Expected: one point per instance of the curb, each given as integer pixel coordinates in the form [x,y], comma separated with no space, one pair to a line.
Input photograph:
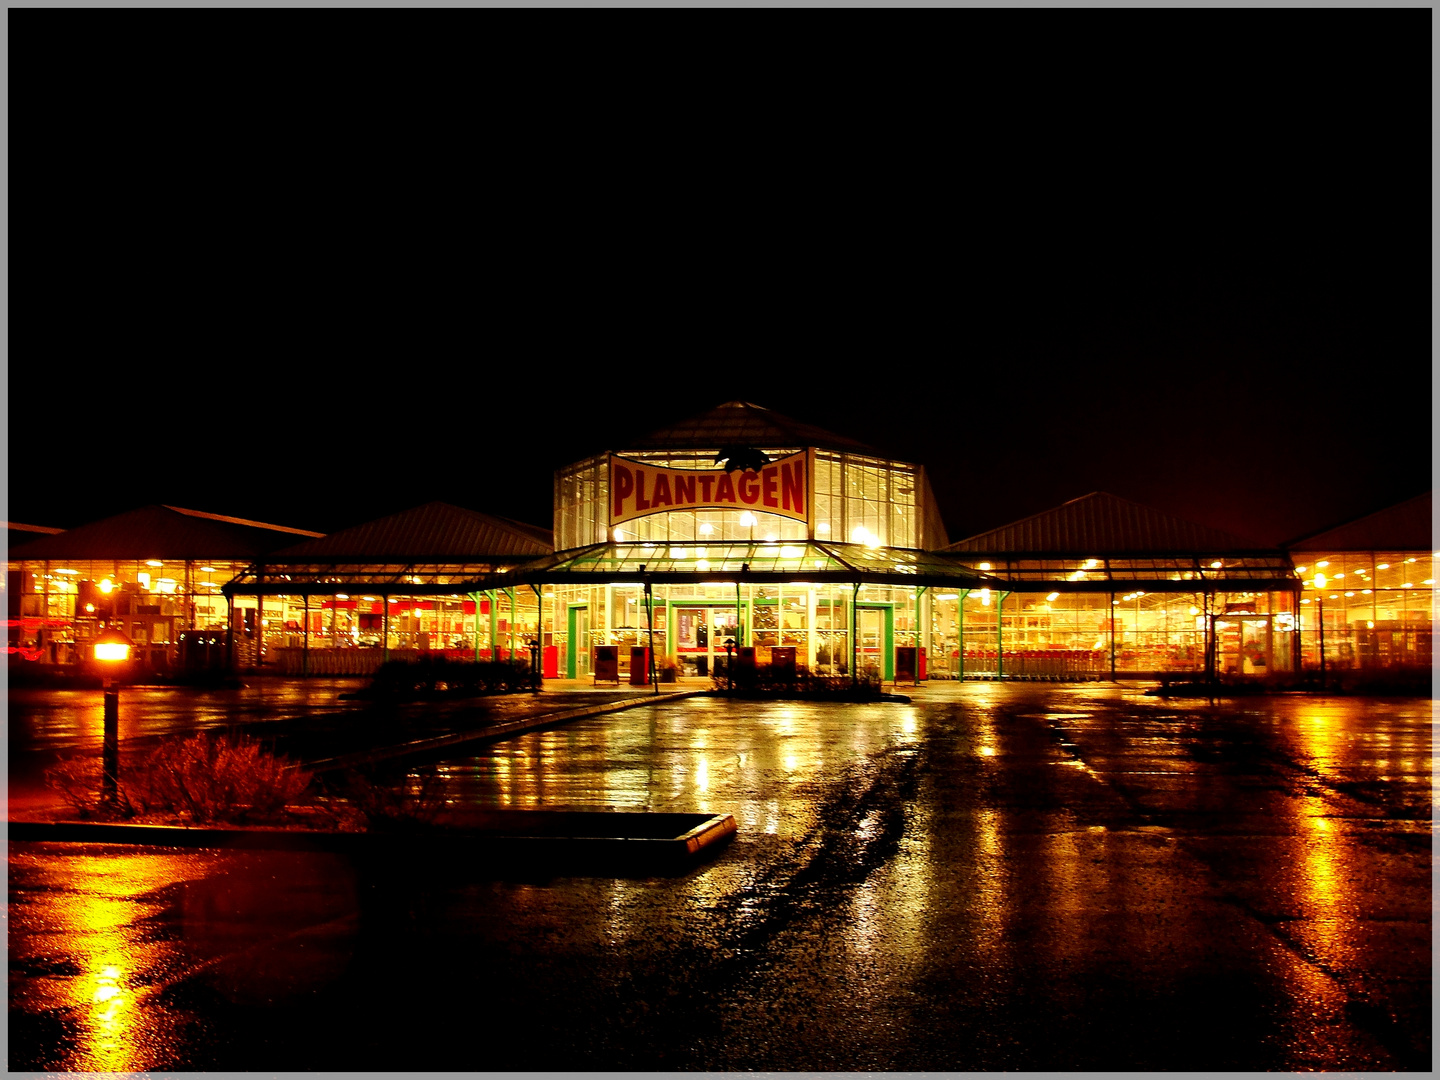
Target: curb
[597,841]
[493,733]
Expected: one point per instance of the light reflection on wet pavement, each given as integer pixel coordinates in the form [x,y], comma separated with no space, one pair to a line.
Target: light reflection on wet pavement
[995,877]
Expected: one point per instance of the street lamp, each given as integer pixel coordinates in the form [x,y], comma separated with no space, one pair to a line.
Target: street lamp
[112,648]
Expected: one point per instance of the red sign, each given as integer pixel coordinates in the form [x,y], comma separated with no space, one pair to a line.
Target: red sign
[781,487]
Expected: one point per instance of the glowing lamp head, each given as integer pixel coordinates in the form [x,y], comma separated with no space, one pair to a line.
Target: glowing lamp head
[106,585]
[112,646]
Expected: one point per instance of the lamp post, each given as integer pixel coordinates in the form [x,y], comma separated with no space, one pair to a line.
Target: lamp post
[112,648]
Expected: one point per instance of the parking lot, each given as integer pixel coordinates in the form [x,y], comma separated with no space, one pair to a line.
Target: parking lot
[1034,877]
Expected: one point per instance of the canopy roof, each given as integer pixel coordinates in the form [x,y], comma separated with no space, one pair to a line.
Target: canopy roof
[1406,526]
[739,423]
[161,532]
[743,561]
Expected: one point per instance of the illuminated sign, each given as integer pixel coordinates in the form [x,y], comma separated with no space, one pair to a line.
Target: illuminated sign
[781,487]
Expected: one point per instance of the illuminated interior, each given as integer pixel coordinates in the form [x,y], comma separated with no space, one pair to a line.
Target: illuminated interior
[867,584]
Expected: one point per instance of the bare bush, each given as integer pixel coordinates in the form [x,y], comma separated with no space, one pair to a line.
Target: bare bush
[406,802]
[216,779]
[78,780]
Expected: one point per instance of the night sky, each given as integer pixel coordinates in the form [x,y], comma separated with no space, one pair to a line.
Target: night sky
[1199,280]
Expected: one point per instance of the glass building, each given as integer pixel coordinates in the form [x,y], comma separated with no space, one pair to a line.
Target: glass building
[741,532]
[1368,599]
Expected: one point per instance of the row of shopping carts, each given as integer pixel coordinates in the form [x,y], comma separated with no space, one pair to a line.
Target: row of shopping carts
[1036,665]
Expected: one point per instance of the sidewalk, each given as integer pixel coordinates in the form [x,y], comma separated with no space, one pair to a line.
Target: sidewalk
[356,734]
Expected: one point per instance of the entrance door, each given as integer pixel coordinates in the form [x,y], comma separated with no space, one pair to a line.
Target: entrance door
[870,632]
[700,636]
[578,664]
[1244,644]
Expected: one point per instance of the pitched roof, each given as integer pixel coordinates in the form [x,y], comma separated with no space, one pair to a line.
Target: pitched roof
[1406,526]
[161,532]
[434,532]
[739,423]
[1104,524]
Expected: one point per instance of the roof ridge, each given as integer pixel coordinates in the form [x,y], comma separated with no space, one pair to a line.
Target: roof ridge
[238,521]
[1336,526]
[1203,532]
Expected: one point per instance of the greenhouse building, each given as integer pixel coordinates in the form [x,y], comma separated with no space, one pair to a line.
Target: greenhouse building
[745,537]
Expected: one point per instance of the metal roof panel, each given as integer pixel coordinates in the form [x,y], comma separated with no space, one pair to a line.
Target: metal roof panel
[1406,526]
[1101,524]
[160,532]
[434,532]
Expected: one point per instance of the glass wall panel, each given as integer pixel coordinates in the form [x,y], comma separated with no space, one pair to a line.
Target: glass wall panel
[1377,609]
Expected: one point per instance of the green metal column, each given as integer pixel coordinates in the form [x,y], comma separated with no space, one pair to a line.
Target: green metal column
[1000,635]
[1112,637]
[475,599]
[539,637]
[512,623]
[960,630]
[854,629]
[494,622]
[918,594]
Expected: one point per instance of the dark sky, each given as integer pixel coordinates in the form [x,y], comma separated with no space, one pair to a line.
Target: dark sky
[1199,279]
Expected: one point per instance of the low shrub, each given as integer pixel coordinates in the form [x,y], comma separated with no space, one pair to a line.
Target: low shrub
[768,680]
[77,779]
[438,676]
[392,804]
[204,779]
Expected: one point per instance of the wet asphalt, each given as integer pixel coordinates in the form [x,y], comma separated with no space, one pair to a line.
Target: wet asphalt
[992,877]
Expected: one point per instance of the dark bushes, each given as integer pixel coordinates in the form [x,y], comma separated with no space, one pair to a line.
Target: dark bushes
[437,676]
[767,680]
[204,779]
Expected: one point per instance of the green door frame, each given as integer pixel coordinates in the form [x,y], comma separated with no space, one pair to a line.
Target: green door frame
[672,603]
[570,643]
[887,650]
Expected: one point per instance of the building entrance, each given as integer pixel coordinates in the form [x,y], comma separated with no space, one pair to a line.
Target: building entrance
[700,636]
[577,638]
[1244,644]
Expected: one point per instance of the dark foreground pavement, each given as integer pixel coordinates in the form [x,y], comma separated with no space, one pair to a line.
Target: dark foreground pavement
[1019,877]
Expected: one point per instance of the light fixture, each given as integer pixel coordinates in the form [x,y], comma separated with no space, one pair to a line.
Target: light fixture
[747,519]
[153,562]
[984,566]
[1052,598]
[1319,581]
[1383,566]
[705,529]
[111,648]
[823,529]
[1216,565]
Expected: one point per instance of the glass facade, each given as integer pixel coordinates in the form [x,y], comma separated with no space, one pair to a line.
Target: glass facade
[57,608]
[858,499]
[1372,609]
[839,596]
